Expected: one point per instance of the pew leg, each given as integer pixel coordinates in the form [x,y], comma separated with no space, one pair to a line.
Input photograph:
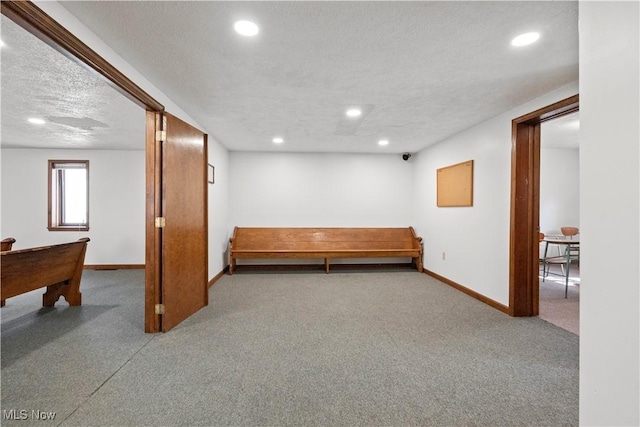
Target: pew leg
[418,263]
[72,295]
[232,266]
[326,265]
[52,295]
[74,298]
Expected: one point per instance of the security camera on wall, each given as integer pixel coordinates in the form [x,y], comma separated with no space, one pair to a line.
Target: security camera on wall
[406,156]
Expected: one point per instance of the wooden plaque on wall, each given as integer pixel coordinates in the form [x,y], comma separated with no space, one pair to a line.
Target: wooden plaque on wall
[455,185]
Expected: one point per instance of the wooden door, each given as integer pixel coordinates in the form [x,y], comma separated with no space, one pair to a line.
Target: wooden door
[176,244]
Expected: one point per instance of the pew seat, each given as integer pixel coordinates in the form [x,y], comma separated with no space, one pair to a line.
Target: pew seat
[324,243]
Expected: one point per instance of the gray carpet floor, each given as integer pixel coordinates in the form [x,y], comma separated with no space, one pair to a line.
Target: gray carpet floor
[394,348]
[554,307]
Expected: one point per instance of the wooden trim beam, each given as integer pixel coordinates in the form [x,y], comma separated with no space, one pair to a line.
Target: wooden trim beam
[153,201]
[495,304]
[550,112]
[218,276]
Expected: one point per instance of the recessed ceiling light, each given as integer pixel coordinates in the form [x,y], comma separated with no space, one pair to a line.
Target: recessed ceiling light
[1,43]
[525,39]
[278,140]
[354,112]
[383,142]
[36,121]
[246,28]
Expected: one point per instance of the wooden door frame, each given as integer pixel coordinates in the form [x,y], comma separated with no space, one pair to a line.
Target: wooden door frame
[37,22]
[525,205]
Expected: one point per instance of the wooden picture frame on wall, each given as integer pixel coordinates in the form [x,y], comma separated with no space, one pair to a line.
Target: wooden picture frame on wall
[211,173]
[455,185]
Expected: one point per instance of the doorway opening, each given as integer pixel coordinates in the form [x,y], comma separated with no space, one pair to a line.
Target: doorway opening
[158,302]
[559,280]
[525,206]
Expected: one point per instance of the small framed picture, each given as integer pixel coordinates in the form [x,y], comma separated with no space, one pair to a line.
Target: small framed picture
[211,174]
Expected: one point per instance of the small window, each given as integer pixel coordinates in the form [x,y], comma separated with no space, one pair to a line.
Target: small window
[68,195]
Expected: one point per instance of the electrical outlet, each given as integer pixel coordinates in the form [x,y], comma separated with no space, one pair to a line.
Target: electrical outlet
[443,256]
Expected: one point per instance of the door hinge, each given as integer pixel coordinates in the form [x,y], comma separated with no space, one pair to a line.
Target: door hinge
[161,135]
[160,222]
[159,308]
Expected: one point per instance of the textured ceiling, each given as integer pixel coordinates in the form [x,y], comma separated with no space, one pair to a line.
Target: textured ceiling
[80,110]
[421,71]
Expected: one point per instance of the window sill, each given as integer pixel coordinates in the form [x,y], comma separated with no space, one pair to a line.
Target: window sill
[68,228]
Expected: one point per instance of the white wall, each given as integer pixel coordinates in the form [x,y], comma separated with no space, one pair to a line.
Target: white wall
[559,189]
[610,213]
[116,202]
[219,227]
[320,190]
[475,239]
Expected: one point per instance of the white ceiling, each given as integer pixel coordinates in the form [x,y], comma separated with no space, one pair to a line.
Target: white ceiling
[81,110]
[421,71]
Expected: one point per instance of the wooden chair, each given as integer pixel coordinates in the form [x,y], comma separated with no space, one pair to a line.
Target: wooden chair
[571,253]
[574,250]
[7,244]
[569,231]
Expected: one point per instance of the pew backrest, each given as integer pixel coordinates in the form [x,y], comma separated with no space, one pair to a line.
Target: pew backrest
[7,244]
[57,267]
